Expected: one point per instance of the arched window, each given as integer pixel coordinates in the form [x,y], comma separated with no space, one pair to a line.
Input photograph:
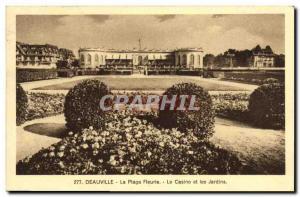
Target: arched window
[192,60]
[89,59]
[96,58]
[184,59]
[102,59]
[82,58]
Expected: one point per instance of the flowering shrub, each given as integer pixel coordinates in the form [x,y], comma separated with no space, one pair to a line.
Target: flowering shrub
[21,105]
[267,106]
[130,145]
[81,107]
[201,121]
[42,105]
[231,105]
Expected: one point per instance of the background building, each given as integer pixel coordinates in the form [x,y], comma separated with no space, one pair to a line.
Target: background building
[41,56]
[262,57]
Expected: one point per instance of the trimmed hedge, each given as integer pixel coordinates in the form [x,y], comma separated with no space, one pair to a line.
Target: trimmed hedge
[200,122]
[82,105]
[115,72]
[30,74]
[176,72]
[66,73]
[21,105]
[267,106]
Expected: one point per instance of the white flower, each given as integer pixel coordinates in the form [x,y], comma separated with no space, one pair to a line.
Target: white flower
[84,146]
[149,153]
[96,145]
[51,154]
[62,147]
[61,164]
[60,154]
[91,127]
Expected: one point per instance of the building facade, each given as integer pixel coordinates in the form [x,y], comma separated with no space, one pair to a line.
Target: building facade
[41,56]
[97,58]
[262,58]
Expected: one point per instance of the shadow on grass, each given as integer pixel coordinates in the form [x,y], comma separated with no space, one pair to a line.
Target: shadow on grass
[48,129]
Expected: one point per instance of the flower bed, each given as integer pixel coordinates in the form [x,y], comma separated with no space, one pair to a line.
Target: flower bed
[42,105]
[255,77]
[231,105]
[228,105]
[131,145]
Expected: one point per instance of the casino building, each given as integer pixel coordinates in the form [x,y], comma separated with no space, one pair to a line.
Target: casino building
[190,58]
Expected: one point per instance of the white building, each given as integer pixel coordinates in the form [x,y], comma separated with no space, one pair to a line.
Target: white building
[96,57]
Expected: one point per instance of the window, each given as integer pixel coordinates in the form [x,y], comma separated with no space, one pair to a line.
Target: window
[89,59]
[82,58]
[96,58]
[102,59]
[192,60]
[184,59]
[179,60]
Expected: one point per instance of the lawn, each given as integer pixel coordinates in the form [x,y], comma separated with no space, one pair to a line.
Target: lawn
[156,84]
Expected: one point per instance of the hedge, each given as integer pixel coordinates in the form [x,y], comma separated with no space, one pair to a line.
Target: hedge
[200,122]
[32,74]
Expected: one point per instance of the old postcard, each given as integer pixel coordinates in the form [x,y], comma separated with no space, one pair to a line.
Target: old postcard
[150,99]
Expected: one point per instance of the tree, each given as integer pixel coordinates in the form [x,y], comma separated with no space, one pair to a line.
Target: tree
[279,60]
[220,61]
[62,64]
[208,60]
[75,63]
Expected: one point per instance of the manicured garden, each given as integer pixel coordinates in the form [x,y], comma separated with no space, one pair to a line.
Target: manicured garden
[150,142]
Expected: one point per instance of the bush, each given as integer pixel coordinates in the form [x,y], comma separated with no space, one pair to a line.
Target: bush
[66,73]
[201,122]
[27,74]
[131,146]
[267,106]
[21,105]
[82,105]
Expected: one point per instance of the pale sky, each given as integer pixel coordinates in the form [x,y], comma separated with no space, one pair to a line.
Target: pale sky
[214,33]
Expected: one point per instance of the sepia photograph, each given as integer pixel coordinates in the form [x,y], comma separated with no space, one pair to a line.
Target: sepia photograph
[170,93]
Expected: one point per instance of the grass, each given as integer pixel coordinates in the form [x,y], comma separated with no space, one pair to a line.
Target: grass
[156,84]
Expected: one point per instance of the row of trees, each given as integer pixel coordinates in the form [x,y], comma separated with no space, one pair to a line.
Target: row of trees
[240,58]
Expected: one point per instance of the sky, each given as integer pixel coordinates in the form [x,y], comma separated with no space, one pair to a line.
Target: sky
[214,33]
